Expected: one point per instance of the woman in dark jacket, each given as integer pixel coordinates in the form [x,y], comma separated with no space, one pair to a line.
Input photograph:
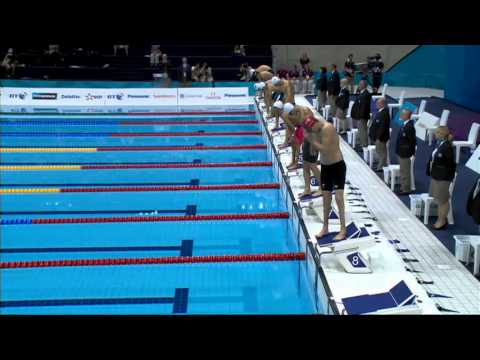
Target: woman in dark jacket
[441,168]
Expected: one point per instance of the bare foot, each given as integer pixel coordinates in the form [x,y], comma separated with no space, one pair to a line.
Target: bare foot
[342,235]
[305,193]
[322,233]
[318,193]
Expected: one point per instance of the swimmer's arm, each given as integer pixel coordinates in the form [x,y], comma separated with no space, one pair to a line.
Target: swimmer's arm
[318,145]
[288,122]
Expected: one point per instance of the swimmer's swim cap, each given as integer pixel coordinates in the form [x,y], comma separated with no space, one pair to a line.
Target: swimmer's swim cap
[259,86]
[288,108]
[278,105]
[276,80]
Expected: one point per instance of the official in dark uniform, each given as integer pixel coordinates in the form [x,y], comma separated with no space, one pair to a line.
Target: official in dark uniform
[473,203]
[343,101]
[322,88]
[380,133]
[333,88]
[405,149]
[361,112]
[377,73]
[441,168]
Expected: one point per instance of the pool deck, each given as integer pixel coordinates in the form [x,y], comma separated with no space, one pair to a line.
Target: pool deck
[435,275]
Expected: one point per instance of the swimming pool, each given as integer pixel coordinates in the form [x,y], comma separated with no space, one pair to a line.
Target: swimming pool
[149,215]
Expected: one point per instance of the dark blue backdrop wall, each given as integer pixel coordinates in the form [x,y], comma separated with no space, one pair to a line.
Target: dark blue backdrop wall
[454,68]
[462,81]
[425,66]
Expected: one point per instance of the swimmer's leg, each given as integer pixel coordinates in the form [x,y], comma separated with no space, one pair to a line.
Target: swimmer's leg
[342,235]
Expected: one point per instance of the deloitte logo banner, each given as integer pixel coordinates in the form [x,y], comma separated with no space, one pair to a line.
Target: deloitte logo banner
[145,97]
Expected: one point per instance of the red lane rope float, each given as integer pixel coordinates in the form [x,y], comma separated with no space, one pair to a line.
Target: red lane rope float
[181,148]
[190,122]
[175,166]
[172,134]
[131,219]
[156,261]
[172,188]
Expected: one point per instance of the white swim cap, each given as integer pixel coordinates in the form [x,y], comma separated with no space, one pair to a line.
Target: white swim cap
[275,80]
[259,86]
[288,107]
[278,105]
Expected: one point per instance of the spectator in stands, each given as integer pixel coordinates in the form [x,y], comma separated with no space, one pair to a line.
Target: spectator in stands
[155,55]
[405,148]
[165,66]
[196,72]
[53,56]
[247,73]
[441,168]
[342,102]
[350,72]
[380,130]
[9,63]
[243,51]
[120,49]
[377,73]
[304,60]
[361,112]
[294,75]
[239,50]
[322,87]
[308,81]
[283,73]
[209,74]
[333,88]
[185,72]
[203,72]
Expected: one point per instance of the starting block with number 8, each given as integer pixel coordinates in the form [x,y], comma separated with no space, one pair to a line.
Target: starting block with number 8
[348,252]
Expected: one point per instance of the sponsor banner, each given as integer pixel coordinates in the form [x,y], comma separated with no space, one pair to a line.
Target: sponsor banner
[145,97]
[213,96]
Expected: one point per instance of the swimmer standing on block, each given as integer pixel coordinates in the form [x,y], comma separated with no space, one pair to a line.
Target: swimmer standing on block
[324,138]
[303,119]
[294,115]
[284,90]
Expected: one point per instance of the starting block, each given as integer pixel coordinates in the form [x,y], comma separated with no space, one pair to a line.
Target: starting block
[397,301]
[347,252]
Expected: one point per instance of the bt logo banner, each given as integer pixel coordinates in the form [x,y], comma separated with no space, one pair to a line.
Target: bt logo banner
[119,97]
[21,96]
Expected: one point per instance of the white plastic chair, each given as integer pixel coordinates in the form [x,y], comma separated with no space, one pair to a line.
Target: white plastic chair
[443,122]
[326,112]
[421,109]
[384,92]
[428,200]
[394,174]
[348,118]
[444,117]
[471,142]
[397,105]
[349,114]
[352,136]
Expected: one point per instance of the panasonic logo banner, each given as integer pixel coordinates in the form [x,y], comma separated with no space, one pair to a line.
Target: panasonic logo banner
[235,95]
[44,96]
[138,96]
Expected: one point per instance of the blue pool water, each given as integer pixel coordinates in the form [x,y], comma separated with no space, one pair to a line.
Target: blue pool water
[204,288]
